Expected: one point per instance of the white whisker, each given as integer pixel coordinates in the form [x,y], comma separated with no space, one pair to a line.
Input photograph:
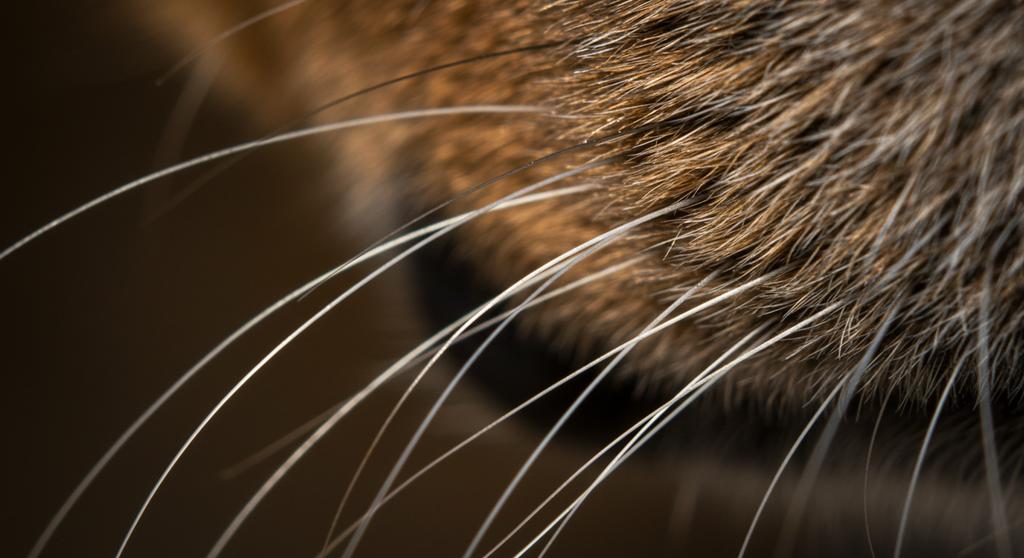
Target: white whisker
[997,498]
[697,387]
[568,413]
[929,433]
[636,426]
[115,448]
[785,462]
[313,423]
[505,319]
[867,471]
[583,250]
[248,146]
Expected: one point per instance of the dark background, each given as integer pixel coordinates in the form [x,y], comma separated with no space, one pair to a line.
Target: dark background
[102,314]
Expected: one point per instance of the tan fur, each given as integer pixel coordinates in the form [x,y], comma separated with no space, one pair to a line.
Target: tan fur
[866,154]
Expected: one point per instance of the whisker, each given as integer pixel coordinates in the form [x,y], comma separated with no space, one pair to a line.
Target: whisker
[226,34]
[696,388]
[248,146]
[640,437]
[456,378]
[817,459]
[785,461]
[919,462]
[310,425]
[315,318]
[242,466]
[653,415]
[568,413]
[504,320]
[583,250]
[76,494]
[997,498]
[867,471]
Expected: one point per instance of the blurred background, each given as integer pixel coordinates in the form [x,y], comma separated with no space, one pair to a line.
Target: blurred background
[104,313]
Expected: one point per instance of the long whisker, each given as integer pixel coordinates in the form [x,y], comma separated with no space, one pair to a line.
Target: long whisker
[327,425]
[118,444]
[568,413]
[312,424]
[701,380]
[647,420]
[315,318]
[611,353]
[408,392]
[867,471]
[817,459]
[337,101]
[695,389]
[584,250]
[995,486]
[226,34]
[248,146]
[785,462]
[915,476]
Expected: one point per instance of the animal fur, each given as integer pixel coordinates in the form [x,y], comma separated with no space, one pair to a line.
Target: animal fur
[865,154]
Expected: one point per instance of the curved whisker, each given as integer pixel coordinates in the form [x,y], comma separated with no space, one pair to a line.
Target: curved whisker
[577,254]
[997,498]
[782,466]
[312,424]
[315,318]
[642,423]
[686,295]
[919,462]
[693,390]
[512,200]
[817,459]
[249,146]
[227,34]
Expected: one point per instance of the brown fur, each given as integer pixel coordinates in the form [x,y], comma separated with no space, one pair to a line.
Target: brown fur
[867,154]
